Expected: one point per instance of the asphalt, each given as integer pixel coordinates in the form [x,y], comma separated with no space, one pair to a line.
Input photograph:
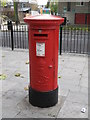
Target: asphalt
[72,82]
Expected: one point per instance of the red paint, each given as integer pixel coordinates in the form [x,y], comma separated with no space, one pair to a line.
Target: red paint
[79,18]
[44,69]
[88,19]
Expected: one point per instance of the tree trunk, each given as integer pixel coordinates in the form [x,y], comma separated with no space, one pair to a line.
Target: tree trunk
[16,12]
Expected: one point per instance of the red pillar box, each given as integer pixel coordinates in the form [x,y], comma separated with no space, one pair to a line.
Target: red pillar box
[43,55]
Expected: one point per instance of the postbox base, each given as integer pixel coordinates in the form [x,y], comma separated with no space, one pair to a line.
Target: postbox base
[43,99]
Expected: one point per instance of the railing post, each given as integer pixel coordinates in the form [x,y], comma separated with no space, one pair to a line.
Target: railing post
[12,43]
[60,40]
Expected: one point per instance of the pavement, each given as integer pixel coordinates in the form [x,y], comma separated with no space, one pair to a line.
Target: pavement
[72,82]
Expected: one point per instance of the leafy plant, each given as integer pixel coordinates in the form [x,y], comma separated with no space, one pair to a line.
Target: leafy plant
[54,7]
[3,3]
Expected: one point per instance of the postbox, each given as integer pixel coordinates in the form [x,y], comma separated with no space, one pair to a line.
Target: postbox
[43,56]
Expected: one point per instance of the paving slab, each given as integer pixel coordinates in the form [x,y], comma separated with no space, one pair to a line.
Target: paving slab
[78,97]
[84,81]
[0,105]
[14,83]
[84,90]
[75,101]
[73,110]
[10,99]
[72,83]
[0,84]
[30,111]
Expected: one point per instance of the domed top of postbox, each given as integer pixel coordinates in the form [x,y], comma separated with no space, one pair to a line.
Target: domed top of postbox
[44,19]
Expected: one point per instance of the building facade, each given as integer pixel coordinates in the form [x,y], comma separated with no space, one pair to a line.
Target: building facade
[75,12]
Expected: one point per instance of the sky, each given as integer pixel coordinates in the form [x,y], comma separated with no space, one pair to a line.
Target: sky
[40,2]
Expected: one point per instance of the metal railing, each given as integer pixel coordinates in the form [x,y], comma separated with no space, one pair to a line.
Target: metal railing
[15,37]
[72,39]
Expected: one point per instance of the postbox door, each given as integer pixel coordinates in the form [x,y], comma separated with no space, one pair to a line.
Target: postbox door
[42,52]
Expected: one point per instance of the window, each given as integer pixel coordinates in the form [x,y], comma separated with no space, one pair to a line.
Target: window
[68,6]
[79,3]
[23,5]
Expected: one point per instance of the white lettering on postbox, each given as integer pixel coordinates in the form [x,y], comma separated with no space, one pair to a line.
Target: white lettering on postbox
[40,49]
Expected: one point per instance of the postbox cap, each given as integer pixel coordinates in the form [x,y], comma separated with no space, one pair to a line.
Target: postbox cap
[46,18]
[43,17]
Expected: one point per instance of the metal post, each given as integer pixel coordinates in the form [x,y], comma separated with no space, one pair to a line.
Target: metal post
[12,45]
[60,40]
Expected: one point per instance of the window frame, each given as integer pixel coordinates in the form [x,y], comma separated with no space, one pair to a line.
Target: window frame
[79,4]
